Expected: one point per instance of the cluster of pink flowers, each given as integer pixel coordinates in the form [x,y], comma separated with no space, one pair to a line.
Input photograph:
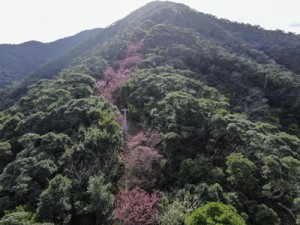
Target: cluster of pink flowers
[115,76]
[136,206]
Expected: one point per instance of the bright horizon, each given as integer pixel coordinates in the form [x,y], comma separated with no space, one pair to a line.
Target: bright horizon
[49,20]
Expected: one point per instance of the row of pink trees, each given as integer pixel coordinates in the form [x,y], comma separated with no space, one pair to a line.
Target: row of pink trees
[138,202]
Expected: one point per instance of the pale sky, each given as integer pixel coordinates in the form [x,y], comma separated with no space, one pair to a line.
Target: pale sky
[48,20]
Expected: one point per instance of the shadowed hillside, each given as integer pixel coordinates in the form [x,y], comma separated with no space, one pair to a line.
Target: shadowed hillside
[17,61]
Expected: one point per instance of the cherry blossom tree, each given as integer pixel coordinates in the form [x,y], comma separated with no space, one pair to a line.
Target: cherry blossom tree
[117,74]
[141,158]
[139,164]
[136,206]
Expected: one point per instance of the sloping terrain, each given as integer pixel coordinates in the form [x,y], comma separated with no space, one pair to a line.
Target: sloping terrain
[213,127]
[18,61]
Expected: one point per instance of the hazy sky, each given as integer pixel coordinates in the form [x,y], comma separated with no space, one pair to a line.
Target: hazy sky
[48,20]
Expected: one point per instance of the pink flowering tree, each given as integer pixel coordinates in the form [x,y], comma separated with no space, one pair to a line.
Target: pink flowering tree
[141,157]
[136,206]
[117,74]
[149,139]
[139,163]
[135,141]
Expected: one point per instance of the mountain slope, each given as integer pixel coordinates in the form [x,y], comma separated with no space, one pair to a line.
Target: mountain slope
[213,117]
[17,61]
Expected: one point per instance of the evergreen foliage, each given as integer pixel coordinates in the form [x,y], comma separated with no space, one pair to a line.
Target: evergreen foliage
[215,213]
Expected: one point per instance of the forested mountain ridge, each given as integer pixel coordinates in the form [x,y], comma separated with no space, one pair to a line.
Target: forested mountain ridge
[18,61]
[213,131]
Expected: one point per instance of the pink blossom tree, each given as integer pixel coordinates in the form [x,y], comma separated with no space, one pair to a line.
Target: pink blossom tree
[139,163]
[136,206]
[149,139]
[141,157]
[136,140]
[117,74]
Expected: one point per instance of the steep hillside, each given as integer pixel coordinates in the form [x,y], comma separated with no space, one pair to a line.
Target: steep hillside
[213,127]
[18,61]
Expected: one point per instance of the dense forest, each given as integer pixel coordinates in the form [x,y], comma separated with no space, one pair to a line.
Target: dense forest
[212,133]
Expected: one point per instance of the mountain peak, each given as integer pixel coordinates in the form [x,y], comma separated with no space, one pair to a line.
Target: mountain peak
[155,10]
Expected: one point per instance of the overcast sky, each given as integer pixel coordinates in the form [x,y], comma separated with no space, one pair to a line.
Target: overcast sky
[48,20]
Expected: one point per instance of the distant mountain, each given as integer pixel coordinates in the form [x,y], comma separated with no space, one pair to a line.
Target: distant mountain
[18,61]
[213,126]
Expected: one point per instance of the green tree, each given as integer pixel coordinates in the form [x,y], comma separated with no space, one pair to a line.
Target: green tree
[55,201]
[195,171]
[5,154]
[241,171]
[20,216]
[215,213]
[265,215]
[101,201]
[172,213]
